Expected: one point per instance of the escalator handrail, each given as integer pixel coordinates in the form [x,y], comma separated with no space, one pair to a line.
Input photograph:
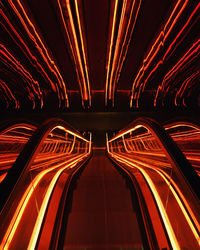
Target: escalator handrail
[26,157]
[7,125]
[186,120]
[178,160]
[153,241]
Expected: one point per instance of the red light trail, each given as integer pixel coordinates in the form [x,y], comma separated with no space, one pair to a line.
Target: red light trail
[118,48]
[79,53]
[163,49]
[61,150]
[136,148]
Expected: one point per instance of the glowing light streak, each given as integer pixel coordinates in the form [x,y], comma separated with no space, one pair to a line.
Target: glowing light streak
[45,160]
[124,34]
[159,203]
[9,94]
[126,132]
[85,95]
[184,85]
[40,217]
[122,57]
[23,203]
[110,49]
[76,53]
[83,50]
[172,20]
[72,133]
[116,51]
[182,202]
[45,56]
[129,157]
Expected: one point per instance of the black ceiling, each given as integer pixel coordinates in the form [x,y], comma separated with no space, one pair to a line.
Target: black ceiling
[157,50]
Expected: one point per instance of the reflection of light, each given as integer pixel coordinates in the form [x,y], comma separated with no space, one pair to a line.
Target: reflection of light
[12,141]
[54,158]
[126,132]
[24,201]
[34,36]
[182,20]
[159,203]
[123,23]
[70,30]
[182,202]
[187,138]
[110,47]
[68,131]
[135,151]
[38,223]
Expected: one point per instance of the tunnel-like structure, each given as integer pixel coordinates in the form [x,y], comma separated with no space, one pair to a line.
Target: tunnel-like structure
[99,124]
[60,192]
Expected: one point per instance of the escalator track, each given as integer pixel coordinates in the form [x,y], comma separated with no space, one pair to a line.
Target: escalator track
[104,212]
[102,208]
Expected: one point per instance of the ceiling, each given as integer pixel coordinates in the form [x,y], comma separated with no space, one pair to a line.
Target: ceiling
[99,55]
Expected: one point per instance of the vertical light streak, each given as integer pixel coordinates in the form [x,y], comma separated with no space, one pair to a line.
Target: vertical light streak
[116,50]
[110,50]
[45,56]
[168,27]
[121,59]
[83,78]
[83,50]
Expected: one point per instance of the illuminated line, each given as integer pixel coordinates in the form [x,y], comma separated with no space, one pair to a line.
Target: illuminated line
[83,49]
[40,217]
[22,205]
[127,131]
[110,49]
[85,96]
[62,83]
[117,47]
[70,132]
[119,67]
[160,205]
[187,213]
[163,34]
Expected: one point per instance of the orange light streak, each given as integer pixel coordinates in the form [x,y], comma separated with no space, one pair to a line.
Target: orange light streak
[159,203]
[40,217]
[119,67]
[45,56]
[151,55]
[23,203]
[110,50]
[85,92]
[178,195]
[83,50]
[116,51]
[16,218]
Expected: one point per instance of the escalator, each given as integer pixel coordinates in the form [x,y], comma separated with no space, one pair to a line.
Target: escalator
[104,214]
[124,197]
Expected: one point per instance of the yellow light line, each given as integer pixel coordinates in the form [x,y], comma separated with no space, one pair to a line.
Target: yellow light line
[117,46]
[85,96]
[83,49]
[38,223]
[110,49]
[174,191]
[21,207]
[160,205]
